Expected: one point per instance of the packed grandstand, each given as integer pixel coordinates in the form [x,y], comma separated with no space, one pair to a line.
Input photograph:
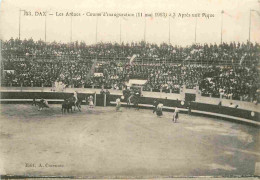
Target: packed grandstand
[225,69]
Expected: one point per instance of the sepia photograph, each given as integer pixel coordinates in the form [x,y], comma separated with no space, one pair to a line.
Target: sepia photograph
[129,89]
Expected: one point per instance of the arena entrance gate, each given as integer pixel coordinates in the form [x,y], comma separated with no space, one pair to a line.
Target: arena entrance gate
[190,97]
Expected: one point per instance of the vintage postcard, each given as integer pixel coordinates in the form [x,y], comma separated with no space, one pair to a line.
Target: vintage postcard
[130,89]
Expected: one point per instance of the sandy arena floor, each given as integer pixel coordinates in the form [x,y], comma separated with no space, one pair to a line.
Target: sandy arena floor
[101,142]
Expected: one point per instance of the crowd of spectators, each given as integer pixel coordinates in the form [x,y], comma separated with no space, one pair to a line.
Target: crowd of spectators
[233,53]
[37,64]
[238,82]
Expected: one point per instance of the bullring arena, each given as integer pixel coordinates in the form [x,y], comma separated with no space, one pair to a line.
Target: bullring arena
[152,99]
[103,142]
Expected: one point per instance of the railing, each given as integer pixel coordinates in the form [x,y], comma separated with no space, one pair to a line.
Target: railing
[118,59]
[145,89]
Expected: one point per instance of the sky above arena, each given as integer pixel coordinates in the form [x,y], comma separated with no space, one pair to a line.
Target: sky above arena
[92,29]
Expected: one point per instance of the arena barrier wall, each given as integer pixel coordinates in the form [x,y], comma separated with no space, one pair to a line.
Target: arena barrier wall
[145,102]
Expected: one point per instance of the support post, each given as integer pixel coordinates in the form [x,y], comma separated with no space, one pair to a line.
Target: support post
[95,99]
[105,100]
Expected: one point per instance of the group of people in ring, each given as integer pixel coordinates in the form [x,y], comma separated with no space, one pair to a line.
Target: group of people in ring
[41,104]
[158,109]
[157,106]
[90,99]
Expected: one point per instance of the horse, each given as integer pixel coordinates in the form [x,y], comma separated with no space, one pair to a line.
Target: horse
[159,110]
[133,99]
[75,102]
[69,103]
[66,105]
[41,104]
[128,101]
